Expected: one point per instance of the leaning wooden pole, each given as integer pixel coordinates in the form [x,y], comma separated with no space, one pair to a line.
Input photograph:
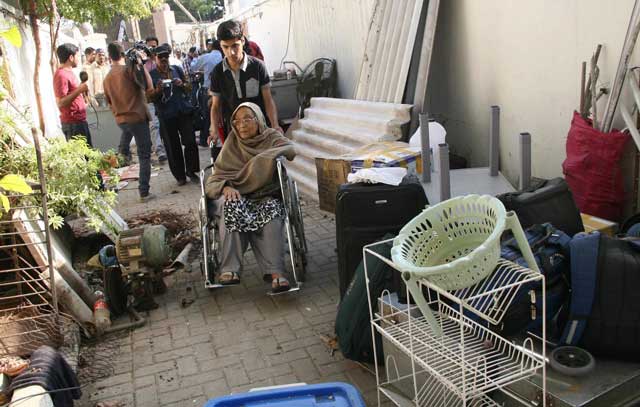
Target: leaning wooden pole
[35,31]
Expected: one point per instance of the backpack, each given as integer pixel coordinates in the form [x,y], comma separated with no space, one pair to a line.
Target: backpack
[550,248]
[604,315]
[353,326]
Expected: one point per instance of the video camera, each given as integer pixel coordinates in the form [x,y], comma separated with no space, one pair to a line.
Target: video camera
[136,57]
[138,54]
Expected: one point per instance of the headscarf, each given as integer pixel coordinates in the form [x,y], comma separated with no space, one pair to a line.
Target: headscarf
[248,165]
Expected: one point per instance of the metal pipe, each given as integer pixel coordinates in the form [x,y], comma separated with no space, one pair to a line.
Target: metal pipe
[525,160]
[45,217]
[445,181]
[582,81]
[139,321]
[627,49]
[426,147]
[494,141]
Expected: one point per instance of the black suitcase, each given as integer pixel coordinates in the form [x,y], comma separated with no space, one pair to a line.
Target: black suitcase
[546,201]
[367,212]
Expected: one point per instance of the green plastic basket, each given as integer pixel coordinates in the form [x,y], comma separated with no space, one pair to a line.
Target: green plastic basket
[454,244]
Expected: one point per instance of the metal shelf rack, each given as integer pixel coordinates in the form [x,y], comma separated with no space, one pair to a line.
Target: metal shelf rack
[29,315]
[469,361]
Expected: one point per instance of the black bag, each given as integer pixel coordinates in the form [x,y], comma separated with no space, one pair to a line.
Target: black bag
[365,213]
[547,201]
[604,316]
[550,248]
[353,326]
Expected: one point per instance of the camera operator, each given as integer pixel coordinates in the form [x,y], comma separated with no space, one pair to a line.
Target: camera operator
[124,88]
[175,112]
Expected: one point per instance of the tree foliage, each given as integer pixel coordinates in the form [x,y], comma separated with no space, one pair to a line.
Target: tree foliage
[103,11]
[207,10]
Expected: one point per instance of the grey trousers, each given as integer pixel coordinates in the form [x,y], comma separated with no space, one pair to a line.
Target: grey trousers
[267,245]
[154,127]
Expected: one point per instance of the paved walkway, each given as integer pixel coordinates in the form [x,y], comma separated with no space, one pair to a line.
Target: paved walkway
[231,339]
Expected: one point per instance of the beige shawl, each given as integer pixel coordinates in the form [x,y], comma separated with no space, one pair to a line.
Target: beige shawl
[249,165]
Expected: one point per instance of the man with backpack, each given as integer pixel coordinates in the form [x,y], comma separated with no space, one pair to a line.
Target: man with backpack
[175,112]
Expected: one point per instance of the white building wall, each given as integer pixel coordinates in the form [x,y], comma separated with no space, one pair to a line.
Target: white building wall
[319,28]
[21,62]
[524,56]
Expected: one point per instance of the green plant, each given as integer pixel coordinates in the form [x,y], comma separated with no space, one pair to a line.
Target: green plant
[12,183]
[73,182]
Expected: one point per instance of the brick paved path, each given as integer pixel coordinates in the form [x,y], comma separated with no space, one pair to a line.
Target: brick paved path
[231,339]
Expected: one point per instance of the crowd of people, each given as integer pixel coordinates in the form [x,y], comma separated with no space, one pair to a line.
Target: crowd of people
[162,97]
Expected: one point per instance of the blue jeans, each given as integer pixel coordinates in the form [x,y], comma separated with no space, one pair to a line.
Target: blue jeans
[139,131]
[77,129]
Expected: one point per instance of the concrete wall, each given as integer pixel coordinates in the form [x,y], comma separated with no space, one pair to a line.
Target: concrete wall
[163,21]
[319,28]
[524,56]
[21,63]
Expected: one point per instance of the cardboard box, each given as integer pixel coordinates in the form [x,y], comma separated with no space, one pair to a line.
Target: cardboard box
[387,154]
[593,223]
[331,174]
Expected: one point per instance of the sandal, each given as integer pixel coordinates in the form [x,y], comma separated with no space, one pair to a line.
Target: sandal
[279,284]
[229,278]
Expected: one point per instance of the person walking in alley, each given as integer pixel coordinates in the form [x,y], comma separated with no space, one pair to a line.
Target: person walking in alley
[253,49]
[239,78]
[69,94]
[205,65]
[98,71]
[89,59]
[157,145]
[127,101]
[175,113]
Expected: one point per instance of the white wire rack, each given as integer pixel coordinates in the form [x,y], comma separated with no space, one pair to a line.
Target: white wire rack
[430,393]
[468,358]
[468,361]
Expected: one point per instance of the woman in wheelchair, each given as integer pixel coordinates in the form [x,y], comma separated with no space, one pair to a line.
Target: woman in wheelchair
[248,203]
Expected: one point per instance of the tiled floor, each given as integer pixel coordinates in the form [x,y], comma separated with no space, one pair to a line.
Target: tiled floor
[231,339]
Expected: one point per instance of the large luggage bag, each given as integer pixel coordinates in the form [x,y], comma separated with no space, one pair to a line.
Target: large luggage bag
[604,316]
[353,326]
[367,212]
[546,201]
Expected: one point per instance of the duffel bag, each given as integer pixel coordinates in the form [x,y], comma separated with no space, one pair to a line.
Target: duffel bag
[353,327]
[550,248]
[546,201]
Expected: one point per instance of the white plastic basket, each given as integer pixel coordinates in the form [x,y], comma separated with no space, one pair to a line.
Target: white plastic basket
[454,245]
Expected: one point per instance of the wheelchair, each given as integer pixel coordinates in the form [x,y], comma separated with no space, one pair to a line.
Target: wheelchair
[293,224]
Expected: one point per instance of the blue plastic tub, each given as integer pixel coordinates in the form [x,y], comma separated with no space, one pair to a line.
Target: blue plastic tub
[313,395]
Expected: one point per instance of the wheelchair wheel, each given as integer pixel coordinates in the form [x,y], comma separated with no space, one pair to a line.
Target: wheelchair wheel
[299,220]
[210,247]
